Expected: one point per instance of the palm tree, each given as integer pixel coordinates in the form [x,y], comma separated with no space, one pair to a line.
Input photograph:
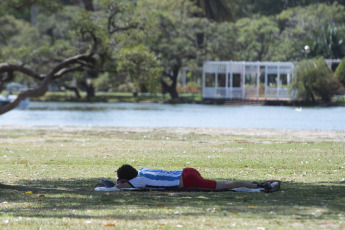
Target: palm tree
[328,42]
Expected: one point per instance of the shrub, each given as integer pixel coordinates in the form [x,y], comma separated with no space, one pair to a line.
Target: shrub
[315,79]
[340,72]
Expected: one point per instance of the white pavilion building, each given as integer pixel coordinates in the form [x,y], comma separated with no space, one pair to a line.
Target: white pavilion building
[250,80]
[247,80]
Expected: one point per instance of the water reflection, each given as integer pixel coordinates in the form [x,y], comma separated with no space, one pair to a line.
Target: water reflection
[162,115]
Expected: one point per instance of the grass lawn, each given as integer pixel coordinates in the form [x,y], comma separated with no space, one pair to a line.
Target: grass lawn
[47,176]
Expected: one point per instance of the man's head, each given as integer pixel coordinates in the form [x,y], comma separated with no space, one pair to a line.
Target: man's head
[126,172]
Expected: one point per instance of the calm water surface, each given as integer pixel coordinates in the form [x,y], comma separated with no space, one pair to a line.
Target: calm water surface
[161,115]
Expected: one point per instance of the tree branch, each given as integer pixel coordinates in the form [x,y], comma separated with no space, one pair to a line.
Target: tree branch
[58,71]
[8,68]
[113,28]
[67,70]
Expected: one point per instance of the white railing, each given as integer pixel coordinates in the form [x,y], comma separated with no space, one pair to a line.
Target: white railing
[222,92]
[251,92]
[237,93]
[277,93]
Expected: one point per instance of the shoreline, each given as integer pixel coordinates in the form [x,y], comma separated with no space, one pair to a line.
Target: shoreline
[189,98]
[224,102]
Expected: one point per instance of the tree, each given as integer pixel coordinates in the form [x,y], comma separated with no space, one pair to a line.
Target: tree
[303,26]
[274,7]
[172,36]
[21,45]
[219,11]
[40,52]
[142,67]
[328,42]
[315,79]
[88,43]
[255,38]
[223,41]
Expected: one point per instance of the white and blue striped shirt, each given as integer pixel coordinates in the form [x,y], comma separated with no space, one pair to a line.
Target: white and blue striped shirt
[156,178]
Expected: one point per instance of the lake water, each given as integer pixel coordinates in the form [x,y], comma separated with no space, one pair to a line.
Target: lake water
[184,115]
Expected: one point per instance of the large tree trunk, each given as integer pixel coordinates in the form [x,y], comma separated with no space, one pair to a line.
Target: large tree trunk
[88,88]
[74,89]
[90,91]
[171,89]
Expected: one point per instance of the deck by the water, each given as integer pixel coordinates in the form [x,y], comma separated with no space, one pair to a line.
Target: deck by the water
[247,101]
[267,101]
[262,101]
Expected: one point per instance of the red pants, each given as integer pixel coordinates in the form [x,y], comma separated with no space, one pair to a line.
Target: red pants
[192,179]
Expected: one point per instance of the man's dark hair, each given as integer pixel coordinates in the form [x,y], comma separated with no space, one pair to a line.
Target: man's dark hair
[126,172]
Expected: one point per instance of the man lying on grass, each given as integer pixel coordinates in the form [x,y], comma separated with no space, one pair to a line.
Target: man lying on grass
[129,177]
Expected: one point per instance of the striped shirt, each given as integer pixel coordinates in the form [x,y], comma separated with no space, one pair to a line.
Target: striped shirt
[156,178]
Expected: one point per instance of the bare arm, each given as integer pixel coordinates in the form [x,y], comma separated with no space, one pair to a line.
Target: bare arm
[123,185]
[234,184]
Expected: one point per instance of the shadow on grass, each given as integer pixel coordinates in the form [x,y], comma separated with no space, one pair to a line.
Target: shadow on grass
[76,198]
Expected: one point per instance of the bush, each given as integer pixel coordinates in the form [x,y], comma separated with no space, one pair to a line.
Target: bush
[315,80]
[340,72]
[105,82]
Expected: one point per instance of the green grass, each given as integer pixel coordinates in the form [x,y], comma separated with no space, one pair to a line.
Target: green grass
[60,166]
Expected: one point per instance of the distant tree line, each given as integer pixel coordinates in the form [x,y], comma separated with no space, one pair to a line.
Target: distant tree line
[141,45]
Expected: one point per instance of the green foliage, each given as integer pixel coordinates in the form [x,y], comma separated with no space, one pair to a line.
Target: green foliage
[328,42]
[177,40]
[274,7]
[21,8]
[301,26]
[106,82]
[152,40]
[256,37]
[19,39]
[63,34]
[21,44]
[142,67]
[315,79]
[37,46]
[340,72]
[311,17]
[222,41]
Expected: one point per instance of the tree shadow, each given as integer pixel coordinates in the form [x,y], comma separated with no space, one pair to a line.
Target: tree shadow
[60,198]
